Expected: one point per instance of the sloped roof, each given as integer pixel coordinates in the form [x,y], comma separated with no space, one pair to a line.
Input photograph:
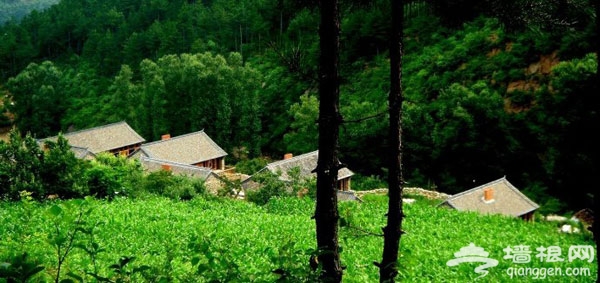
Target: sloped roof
[188,149]
[507,200]
[82,152]
[103,138]
[153,165]
[306,162]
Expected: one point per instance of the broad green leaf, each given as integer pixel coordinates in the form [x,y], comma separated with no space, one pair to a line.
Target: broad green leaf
[55,210]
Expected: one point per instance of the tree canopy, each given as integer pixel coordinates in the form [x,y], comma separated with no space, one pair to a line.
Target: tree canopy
[494,90]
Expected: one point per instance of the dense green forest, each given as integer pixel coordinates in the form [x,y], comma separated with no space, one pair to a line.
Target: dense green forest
[491,89]
[14,10]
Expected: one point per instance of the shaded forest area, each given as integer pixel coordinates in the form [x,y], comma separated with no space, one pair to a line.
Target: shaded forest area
[491,89]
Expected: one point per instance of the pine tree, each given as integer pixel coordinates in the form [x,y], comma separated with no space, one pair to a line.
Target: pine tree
[326,214]
[388,268]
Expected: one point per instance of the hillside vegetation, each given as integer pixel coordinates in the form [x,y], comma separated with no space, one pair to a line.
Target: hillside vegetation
[496,89]
[161,240]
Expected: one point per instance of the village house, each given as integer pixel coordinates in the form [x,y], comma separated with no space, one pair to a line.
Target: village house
[305,163]
[211,180]
[496,197]
[117,138]
[196,149]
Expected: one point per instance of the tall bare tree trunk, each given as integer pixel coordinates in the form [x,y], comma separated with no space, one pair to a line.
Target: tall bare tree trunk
[388,268]
[326,214]
[594,226]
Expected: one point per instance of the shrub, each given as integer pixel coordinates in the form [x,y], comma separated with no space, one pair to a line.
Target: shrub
[19,268]
[270,186]
[21,161]
[185,188]
[164,183]
[109,176]
[62,172]
[102,181]
[251,166]
[364,183]
[158,182]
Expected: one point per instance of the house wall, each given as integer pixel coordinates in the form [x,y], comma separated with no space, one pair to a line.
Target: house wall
[343,184]
[126,150]
[214,164]
[528,216]
[175,169]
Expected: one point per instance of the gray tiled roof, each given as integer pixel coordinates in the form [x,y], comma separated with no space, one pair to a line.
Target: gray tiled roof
[507,199]
[103,138]
[82,152]
[347,195]
[153,165]
[306,162]
[190,148]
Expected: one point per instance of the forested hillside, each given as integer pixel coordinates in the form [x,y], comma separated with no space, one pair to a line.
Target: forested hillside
[14,10]
[491,89]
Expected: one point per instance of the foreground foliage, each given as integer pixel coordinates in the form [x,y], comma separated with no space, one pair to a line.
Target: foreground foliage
[51,170]
[162,240]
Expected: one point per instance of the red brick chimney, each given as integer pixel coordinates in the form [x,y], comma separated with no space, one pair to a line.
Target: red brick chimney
[287,156]
[488,194]
[166,167]
[165,137]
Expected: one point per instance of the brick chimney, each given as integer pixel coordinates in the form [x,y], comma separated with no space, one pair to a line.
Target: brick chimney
[165,137]
[287,156]
[166,167]
[488,194]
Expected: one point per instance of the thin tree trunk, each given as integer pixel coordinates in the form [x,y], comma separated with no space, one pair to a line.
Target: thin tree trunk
[326,214]
[594,227]
[241,42]
[388,268]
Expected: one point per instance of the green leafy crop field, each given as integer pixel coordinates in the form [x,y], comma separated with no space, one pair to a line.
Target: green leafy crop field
[161,240]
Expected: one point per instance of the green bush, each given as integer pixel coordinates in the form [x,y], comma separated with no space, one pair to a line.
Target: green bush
[110,176]
[24,166]
[158,182]
[62,173]
[270,186]
[164,183]
[19,268]
[365,183]
[185,188]
[251,166]
[102,182]
[21,162]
